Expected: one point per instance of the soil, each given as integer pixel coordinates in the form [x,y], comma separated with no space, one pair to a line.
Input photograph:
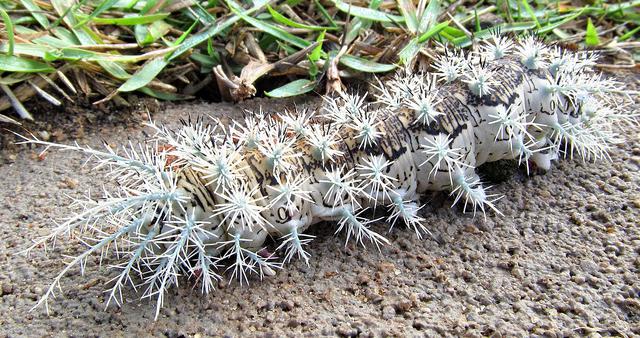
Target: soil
[562,260]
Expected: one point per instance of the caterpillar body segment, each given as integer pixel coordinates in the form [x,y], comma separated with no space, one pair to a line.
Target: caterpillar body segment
[203,200]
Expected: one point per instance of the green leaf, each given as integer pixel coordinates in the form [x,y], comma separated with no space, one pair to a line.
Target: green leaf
[164,95]
[408,10]
[144,75]
[87,37]
[477,21]
[432,31]
[46,40]
[146,34]
[9,28]
[268,28]
[367,13]
[29,49]
[551,26]
[531,13]
[140,33]
[359,24]
[560,33]
[297,87]
[23,20]
[67,36]
[315,55]
[52,42]
[412,48]
[288,22]
[130,20]
[209,32]
[105,5]
[74,54]
[453,31]
[324,13]
[591,37]
[148,5]
[150,69]
[365,65]
[14,78]
[629,34]
[429,16]
[354,29]
[36,12]
[504,28]
[317,51]
[207,62]
[202,15]
[409,51]
[184,35]
[10,63]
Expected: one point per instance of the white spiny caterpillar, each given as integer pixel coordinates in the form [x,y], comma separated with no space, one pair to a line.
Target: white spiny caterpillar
[202,200]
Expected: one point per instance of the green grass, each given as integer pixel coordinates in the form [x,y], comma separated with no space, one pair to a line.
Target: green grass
[169,49]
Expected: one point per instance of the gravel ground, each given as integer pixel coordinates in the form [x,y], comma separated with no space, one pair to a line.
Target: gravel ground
[563,260]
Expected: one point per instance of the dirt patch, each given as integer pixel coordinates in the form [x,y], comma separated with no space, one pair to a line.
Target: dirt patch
[562,260]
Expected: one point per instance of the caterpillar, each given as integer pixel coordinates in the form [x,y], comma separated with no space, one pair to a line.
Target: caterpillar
[202,201]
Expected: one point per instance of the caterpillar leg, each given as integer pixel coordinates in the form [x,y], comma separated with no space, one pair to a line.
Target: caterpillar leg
[407,208]
[244,259]
[294,241]
[468,189]
[358,227]
[542,159]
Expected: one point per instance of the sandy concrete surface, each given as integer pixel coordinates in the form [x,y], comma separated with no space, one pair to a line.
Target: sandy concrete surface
[563,260]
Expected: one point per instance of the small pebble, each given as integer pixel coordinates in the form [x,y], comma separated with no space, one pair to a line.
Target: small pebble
[388,312]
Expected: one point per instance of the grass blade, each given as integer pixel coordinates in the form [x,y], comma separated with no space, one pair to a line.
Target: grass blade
[324,13]
[146,34]
[429,16]
[29,49]
[21,65]
[15,102]
[44,94]
[268,28]
[151,69]
[105,5]
[144,75]
[591,36]
[552,26]
[297,87]
[87,37]
[288,22]
[9,28]
[412,48]
[14,78]
[365,65]
[531,13]
[317,51]
[629,34]
[36,12]
[408,10]
[432,31]
[367,13]
[7,119]
[130,20]
[204,35]
[164,95]
[465,41]
[75,54]
[202,15]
